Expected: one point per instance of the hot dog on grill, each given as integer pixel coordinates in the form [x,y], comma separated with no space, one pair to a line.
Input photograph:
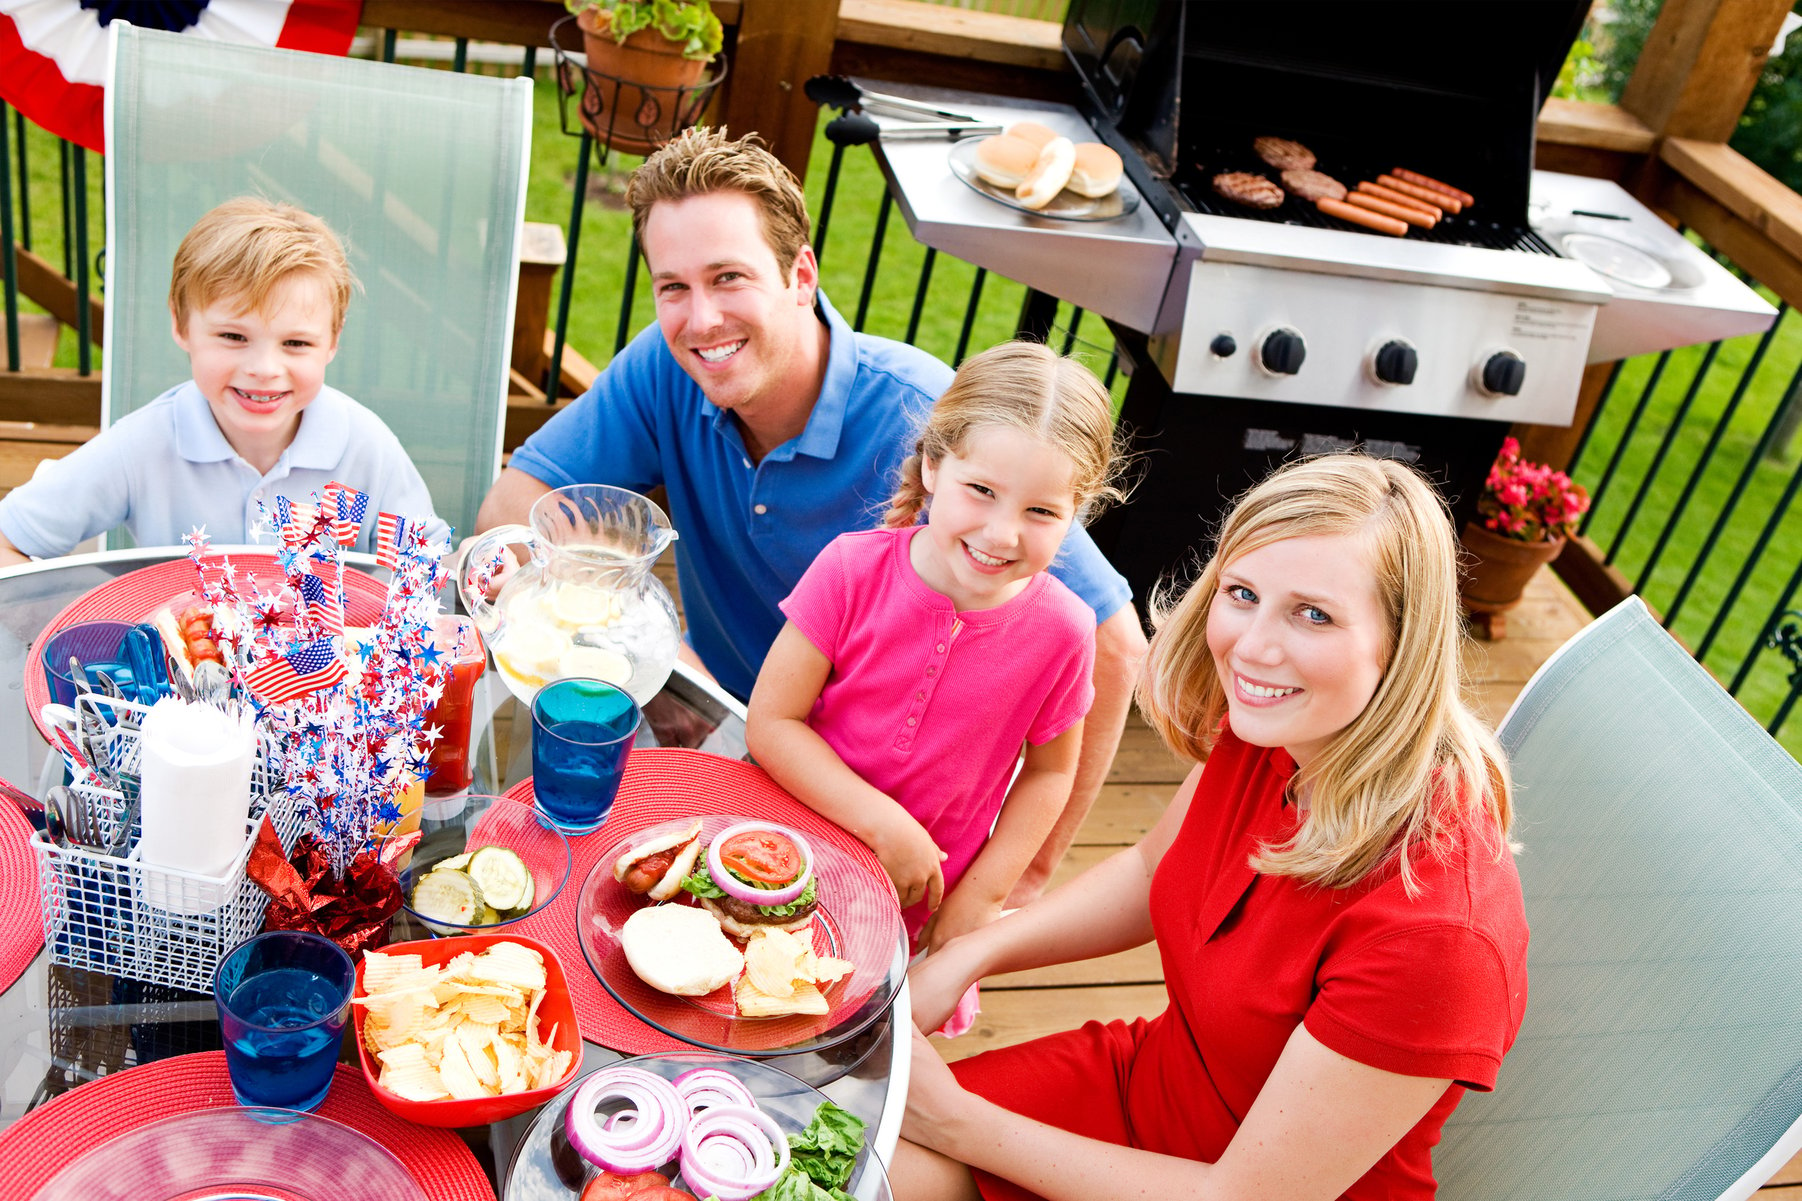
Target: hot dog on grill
[1450,204]
[1394,197]
[1427,181]
[1362,216]
[1402,212]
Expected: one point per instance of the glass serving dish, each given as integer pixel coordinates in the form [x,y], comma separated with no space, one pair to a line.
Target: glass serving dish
[460,825]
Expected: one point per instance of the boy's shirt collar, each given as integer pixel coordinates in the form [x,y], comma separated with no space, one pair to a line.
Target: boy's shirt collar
[319,443]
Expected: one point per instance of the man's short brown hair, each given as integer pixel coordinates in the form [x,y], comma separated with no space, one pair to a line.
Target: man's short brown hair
[704,160]
[245,247]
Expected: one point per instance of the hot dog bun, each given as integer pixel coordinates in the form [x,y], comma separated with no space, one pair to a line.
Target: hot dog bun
[1049,175]
[1097,170]
[1361,216]
[1032,132]
[1005,160]
[657,866]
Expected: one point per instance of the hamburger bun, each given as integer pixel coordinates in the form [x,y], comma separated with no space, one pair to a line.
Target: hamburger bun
[1049,175]
[1097,170]
[741,920]
[680,950]
[1032,132]
[1005,160]
[657,866]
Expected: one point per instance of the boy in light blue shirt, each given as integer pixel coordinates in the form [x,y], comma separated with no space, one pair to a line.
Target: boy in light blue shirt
[257,300]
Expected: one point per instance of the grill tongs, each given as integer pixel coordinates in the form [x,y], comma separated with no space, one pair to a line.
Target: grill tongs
[854,127]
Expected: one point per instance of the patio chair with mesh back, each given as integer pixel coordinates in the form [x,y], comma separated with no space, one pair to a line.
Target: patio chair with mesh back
[421,172]
[1661,1055]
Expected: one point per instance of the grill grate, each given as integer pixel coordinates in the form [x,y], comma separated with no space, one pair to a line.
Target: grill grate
[1197,188]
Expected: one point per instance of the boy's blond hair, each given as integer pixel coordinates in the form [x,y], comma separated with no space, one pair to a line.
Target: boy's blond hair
[243,248]
[704,160]
[1029,387]
[1391,783]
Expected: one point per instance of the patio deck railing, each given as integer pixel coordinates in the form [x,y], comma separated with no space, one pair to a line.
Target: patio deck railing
[1694,456]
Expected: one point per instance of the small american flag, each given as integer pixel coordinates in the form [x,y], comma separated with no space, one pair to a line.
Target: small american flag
[294,520]
[294,673]
[324,603]
[390,532]
[345,507]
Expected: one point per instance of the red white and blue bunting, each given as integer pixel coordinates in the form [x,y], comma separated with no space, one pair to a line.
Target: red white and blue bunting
[53,52]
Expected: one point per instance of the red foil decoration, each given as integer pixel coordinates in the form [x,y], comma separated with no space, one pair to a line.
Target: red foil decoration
[355,912]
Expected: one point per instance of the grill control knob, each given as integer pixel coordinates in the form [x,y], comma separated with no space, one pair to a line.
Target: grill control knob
[1395,362]
[1501,374]
[1224,345]
[1282,352]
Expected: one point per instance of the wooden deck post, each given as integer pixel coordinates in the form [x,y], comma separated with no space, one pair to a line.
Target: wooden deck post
[1700,64]
[781,44]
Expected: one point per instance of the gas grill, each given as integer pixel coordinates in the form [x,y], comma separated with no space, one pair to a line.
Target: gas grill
[1255,335]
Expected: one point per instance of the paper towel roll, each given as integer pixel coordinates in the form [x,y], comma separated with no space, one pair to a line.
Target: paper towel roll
[195,786]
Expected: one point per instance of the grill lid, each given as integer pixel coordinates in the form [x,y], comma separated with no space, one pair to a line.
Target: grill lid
[1450,90]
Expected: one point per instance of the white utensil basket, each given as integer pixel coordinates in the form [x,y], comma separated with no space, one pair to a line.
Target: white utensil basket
[117,915]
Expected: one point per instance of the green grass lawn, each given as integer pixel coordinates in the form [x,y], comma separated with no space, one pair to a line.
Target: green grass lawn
[595,322]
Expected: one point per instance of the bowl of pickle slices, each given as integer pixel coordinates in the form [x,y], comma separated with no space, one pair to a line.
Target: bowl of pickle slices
[482,863]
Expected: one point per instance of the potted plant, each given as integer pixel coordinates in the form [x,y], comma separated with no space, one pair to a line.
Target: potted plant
[1525,515]
[645,58]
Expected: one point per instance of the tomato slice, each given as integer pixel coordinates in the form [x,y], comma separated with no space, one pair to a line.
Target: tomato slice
[762,857]
[611,1186]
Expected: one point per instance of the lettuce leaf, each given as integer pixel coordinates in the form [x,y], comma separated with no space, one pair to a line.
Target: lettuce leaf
[828,1148]
[700,882]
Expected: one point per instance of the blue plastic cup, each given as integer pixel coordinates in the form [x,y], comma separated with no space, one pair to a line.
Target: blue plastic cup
[283,1000]
[100,645]
[582,732]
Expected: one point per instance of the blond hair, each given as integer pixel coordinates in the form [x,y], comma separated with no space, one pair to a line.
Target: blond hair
[1028,387]
[704,160]
[243,248]
[1415,761]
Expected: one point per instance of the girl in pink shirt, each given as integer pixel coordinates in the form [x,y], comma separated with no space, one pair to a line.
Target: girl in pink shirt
[918,659]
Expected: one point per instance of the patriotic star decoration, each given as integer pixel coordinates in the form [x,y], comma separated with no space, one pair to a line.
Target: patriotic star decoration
[350,738]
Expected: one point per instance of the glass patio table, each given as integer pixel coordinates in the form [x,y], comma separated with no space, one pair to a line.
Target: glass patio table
[61,1027]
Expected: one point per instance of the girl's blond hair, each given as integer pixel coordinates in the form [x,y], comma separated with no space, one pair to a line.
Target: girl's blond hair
[1029,387]
[1416,760]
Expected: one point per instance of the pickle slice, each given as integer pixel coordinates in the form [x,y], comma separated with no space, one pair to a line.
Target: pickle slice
[447,896]
[503,877]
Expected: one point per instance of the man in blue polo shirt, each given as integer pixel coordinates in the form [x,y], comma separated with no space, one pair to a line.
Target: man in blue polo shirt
[773,428]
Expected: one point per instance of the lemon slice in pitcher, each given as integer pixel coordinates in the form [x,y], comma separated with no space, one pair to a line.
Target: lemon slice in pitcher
[580,605]
[595,663]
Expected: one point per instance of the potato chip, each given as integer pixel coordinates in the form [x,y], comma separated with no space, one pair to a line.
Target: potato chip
[754,1002]
[464,1029]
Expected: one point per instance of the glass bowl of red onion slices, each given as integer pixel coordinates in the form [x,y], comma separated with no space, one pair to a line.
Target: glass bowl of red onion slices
[696,1123]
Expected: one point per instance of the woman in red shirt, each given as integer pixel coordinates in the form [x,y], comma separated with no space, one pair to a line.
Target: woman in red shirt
[1333,893]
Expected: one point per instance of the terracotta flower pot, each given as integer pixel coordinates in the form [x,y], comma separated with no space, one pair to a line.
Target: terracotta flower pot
[1497,574]
[640,92]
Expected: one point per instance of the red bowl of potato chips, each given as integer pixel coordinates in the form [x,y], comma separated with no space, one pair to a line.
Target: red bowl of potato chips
[466,1030]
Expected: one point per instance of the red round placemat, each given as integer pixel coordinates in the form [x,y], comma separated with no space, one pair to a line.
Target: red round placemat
[22,934]
[662,783]
[135,595]
[36,1147]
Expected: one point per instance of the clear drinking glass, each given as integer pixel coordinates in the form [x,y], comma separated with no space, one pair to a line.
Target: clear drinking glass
[582,732]
[283,1000]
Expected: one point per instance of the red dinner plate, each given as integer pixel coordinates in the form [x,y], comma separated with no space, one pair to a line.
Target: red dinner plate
[858,919]
[137,595]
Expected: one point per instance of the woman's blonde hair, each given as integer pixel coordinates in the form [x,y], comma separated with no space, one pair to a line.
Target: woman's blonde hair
[1415,760]
[243,248]
[1028,387]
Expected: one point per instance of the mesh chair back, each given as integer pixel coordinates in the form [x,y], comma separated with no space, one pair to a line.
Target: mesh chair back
[420,172]
[1661,1055]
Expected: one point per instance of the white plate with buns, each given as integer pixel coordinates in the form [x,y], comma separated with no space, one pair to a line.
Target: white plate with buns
[1030,169]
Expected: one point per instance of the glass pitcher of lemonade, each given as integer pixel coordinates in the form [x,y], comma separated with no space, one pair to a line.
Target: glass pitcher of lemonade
[586,604]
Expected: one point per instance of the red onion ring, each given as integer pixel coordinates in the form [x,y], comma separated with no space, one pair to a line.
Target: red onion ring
[650,1140]
[704,1088]
[738,890]
[733,1152]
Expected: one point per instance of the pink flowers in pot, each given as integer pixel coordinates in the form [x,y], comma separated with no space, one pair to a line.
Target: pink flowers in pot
[1529,502]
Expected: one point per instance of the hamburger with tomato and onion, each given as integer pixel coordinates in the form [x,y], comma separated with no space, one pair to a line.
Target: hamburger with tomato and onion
[755,875]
